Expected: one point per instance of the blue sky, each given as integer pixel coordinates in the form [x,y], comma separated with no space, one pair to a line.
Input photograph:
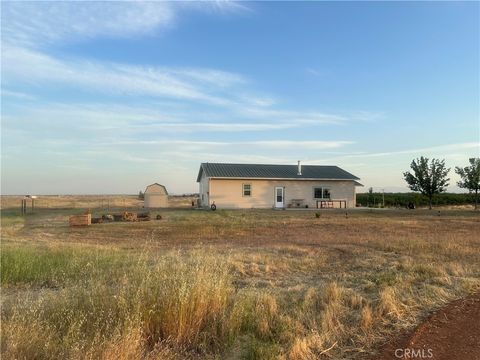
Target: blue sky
[109,97]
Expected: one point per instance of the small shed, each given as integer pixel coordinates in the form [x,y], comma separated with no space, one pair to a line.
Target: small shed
[155,196]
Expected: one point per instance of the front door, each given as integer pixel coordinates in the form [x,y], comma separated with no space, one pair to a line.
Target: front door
[279,197]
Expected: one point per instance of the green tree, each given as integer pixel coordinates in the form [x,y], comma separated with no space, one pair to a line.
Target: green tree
[428,179]
[470,177]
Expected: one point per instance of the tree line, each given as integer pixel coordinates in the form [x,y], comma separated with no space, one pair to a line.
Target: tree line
[430,177]
[379,199]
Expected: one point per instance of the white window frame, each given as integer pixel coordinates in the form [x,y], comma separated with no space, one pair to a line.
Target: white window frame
[243,189]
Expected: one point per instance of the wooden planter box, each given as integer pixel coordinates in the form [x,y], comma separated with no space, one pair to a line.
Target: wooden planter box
[80,220]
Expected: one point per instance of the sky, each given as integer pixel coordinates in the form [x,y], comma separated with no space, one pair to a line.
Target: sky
[108,97]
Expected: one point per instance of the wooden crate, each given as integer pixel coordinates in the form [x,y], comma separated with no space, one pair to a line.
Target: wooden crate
[80,220]
[128,216]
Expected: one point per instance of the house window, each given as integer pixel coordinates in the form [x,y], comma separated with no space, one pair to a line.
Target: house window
[321,193]
[326,193]
[247,189]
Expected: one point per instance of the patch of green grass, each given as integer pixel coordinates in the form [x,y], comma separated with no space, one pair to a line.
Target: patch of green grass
[384,278]
[53,266]
[11,218]
[255,349]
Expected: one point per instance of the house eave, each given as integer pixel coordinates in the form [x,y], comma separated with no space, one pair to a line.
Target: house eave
[272,178]
[200,171]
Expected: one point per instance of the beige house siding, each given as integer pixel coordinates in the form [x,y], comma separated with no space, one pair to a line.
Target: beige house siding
[155,196]
[227,193]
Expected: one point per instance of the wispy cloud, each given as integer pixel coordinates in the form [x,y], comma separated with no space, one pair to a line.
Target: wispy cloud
[212,127]
[209,86]
[38,23]
[34,67]
[60,120]
[17,94]
[28,27]
[455,152]
[190,85]
[193,151]
[320,144]
[312,117]
[34,24]
[313,72]
[225,6]
[301,144]
[440,149]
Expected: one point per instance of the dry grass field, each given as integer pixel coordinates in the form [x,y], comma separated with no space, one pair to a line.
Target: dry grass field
[103,202]
[257,284]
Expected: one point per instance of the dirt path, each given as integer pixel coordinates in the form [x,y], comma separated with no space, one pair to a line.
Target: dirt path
[452,332]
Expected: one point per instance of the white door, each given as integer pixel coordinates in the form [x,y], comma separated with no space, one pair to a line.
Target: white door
[279,198]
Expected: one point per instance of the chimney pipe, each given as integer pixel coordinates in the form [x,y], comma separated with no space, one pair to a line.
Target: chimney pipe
[299,168]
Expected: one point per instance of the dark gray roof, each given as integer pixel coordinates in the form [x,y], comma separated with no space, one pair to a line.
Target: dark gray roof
[250,171]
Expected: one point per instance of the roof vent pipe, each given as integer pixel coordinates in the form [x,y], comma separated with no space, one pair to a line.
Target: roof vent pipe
[299,168]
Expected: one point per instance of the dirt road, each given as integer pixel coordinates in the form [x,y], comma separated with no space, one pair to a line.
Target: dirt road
[452,332]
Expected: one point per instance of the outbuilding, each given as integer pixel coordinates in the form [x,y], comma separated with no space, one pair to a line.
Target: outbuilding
[155,196]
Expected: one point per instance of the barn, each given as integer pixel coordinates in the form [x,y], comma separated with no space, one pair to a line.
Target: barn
[155,196]
[276,186]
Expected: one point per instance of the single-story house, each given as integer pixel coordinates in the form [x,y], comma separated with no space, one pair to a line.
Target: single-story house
[155,196]
[231,186]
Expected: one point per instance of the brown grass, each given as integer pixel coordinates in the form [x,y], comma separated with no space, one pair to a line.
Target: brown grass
[229,284]
[103,202]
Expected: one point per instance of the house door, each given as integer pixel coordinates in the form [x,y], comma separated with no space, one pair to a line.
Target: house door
[279,197]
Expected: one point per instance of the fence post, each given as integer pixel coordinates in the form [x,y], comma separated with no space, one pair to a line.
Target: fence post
[24,206]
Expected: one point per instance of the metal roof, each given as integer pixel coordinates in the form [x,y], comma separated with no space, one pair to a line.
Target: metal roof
[265,171]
